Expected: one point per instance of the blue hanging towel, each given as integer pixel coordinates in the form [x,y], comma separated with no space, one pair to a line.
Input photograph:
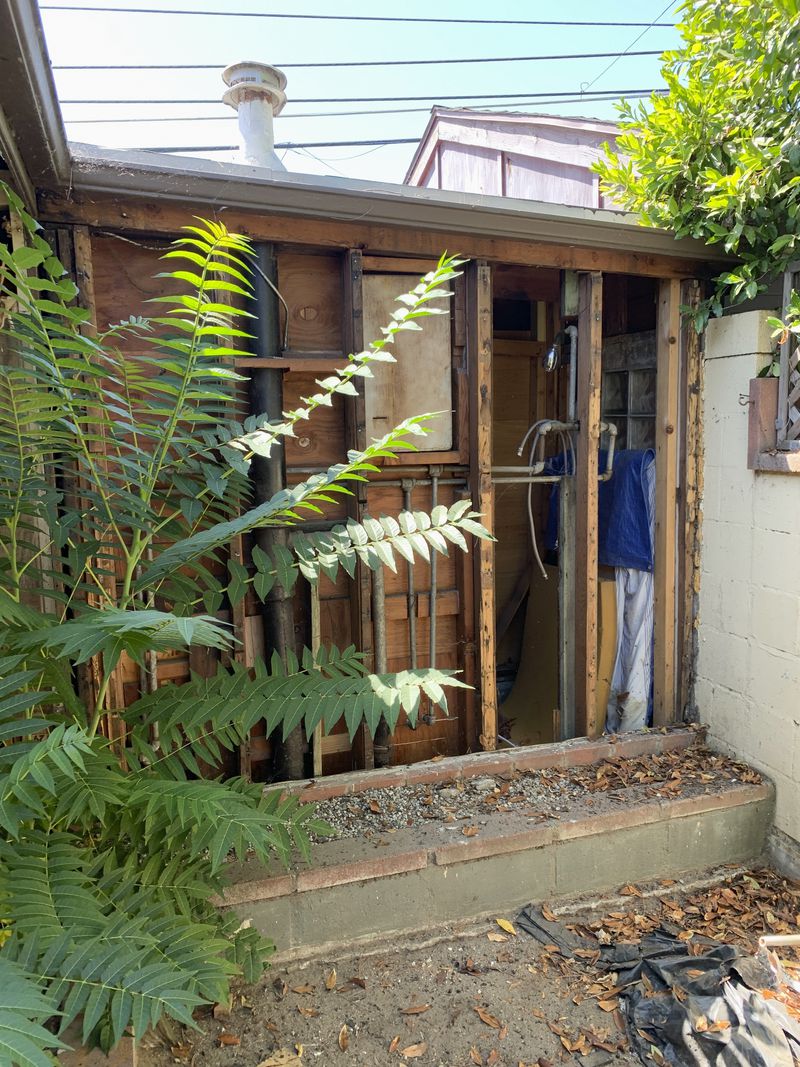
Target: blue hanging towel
[624,520]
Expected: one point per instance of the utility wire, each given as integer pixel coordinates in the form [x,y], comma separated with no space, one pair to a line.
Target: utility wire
[627,51]
[336,18]
[363,62]
[591,98]
[376,99]
[286,144]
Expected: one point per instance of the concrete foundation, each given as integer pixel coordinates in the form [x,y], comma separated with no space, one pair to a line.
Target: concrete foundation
[407,889]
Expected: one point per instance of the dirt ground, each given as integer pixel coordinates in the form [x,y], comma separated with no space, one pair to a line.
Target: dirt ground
[485,994]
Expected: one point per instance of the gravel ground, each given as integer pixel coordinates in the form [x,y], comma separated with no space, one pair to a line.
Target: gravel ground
[545,794]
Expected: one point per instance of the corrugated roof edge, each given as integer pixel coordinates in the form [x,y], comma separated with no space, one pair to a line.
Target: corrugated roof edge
[137,173]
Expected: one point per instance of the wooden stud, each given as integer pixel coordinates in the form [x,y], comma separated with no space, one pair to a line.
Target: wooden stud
[355,437]
[667,444]
[691,465]
[479,328]
[84,272]
[587,442]
[154,216]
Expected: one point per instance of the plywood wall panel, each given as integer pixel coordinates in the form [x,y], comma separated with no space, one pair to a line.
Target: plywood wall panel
[311,284]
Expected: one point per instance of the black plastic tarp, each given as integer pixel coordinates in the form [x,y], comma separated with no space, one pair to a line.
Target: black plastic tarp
[687,1007]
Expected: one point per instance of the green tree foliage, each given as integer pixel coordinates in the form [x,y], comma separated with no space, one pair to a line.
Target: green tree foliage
[123,476]
[718,157]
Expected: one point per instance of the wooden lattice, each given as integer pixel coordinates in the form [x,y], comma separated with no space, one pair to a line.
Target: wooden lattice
[788,422]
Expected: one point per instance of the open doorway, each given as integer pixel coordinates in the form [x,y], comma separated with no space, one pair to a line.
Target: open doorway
[535,401]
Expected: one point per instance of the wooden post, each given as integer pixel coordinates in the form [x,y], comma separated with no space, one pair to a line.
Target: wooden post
[479,340]
[587,442]
[356,438]
[667,443]
[84,273]
[691,465]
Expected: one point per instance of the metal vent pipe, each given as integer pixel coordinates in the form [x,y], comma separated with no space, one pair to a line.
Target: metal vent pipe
[256,92]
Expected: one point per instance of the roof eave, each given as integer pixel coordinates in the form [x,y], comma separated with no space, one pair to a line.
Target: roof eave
[32,137]
[121,173]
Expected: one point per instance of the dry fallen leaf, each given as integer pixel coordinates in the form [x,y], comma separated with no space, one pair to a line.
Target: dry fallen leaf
[487,1017]
[469,831]
[280,987]
[375,807]
[304,990]
[394,1043]
[413,1052]
[310,1013]
[475,1056]
[181,1052]
[504,924]
[496,937]
[608,1005]
[283,1058]
[415,1009]
[344,1038]
[229,1039]
[551,918]
[492,1058]
[330,981]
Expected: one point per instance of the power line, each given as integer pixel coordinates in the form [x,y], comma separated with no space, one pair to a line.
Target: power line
[636,39]
[375,99]
[286,144]
[338,18]
[582,98]
[364,63]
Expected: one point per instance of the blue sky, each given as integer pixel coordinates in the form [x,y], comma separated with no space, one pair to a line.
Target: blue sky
[79,37]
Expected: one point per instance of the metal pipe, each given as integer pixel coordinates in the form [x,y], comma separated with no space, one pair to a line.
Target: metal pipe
[524,479]
[435,472]
[382,743]
[611,430]
[573,371]
[268,474]
[407,485]
[778,940]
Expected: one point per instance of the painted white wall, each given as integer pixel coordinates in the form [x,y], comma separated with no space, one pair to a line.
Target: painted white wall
[748,671]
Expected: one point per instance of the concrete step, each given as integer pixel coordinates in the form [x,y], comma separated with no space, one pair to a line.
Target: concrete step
[358,890]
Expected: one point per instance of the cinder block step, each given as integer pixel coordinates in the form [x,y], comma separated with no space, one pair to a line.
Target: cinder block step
[357,890]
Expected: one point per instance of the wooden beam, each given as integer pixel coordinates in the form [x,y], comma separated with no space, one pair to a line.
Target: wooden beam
[691,465]
[479,347]
[587,442]
[167,217]
[84,273]
[667,444]
[356,438]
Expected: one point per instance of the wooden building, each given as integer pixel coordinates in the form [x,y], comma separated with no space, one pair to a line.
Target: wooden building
[344,249]
[546,158]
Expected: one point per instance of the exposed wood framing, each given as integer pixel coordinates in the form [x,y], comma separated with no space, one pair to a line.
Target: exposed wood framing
[150,216]
[587,441]
[479,344]
[84,273]
[691,515]
[355,438]
[667,444]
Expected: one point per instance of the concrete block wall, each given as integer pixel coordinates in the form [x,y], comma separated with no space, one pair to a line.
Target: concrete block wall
[748,669]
